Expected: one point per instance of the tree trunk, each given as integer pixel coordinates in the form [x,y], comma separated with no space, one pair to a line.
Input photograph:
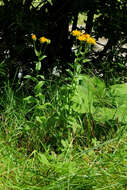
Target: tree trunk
[89,23]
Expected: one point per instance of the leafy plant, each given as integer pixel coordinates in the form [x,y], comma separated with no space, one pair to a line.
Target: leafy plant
[37,123]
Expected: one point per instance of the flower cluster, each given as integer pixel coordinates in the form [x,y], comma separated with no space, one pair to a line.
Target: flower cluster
[34,37]
[83,37]
[42,39]
[76,33]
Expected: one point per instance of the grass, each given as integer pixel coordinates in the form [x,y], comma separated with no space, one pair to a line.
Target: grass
[99,167]
[76,165]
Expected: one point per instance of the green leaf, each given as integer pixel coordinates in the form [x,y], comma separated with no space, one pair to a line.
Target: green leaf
[83,99]
[41,76]
[38,66]
[119,94]
[41,97]
[37,53]
[77,60]
[121,113]
[71,65]
[119,89]
[39,85]
[70,72]
[42,57]
[104,114]
[78,68]
[38,119]
[30,77]
[90,90]
[86,60]
[29,99]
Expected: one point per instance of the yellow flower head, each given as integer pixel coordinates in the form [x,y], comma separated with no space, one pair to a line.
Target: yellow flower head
[82,37]
[87,38]
[44,40]
[34,37]
[76,33]
[91,40]
[87,35]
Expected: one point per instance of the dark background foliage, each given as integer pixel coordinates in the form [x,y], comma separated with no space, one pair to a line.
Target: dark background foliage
[19,19]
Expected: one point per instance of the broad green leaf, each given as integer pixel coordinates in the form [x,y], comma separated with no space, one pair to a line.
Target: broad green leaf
[83,100]
[98,87]
[121,113]
[120,100]
[104,114]
[89,91]
[119,89]
[119,94]
[38,66]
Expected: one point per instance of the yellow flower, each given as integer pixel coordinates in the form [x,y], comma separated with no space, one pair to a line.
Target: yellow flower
[76,33]
[34,37]
[82,37]
[87,38]
[87,35]
[44,40]
[91,40]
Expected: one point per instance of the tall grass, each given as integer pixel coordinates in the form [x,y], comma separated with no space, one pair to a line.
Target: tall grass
[30,159]
[102,166]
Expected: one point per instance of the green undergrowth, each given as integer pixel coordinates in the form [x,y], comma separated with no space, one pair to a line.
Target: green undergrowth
[102,166]
[78,147]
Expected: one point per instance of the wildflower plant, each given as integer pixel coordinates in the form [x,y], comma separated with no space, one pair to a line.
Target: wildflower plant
[83,43]
[64,115]
[69,90]
[39,53]
[41,56]
[37,100]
